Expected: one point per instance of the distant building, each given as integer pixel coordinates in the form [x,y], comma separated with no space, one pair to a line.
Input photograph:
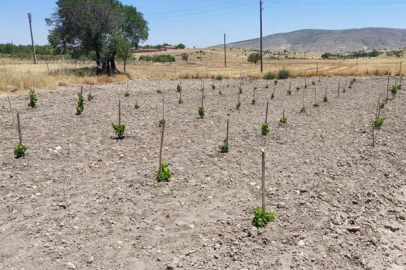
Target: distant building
[166,48]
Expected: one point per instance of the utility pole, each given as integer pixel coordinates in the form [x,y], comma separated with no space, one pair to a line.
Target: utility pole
[225,51]
[260,19]
[32,38]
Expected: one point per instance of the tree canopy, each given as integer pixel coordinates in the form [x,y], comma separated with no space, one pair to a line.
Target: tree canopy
[101,27]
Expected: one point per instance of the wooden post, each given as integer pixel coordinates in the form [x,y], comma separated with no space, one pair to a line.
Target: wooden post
[11,108]
[387,90]
[119,112]
[303,100]
[263,180]
[283,115]
[266,115]
[227,129]
[315,95]
[163,107]
[81,90]
[20,136]
[373,135]
[162,144]
[203,97]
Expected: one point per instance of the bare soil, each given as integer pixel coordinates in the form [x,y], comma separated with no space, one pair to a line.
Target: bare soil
[81,200]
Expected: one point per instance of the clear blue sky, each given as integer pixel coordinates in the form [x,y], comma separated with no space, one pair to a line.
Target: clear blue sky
[203,23]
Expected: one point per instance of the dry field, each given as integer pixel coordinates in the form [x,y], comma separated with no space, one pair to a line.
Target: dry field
[82,200]
[18,75]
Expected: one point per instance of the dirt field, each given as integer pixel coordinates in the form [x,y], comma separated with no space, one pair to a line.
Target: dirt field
[81,200]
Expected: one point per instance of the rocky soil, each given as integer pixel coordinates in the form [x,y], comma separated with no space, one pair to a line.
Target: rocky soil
[80,199]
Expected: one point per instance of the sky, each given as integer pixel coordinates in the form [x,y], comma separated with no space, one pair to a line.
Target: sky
[203,23]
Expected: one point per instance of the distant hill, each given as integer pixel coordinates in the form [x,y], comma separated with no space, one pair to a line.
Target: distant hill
[338,41]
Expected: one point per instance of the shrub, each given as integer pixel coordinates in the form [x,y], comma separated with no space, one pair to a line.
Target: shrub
[178,88]
[382,105]
[283,74]
[33,99]
[90,97]
[80,106]
[163,58]
[136,106]
[220,93]
[185,57]
[283,120]
[269,76]
[159,91]
[126,94]
[224,148]
[379,122]
[238,105]
[164,175]
[119,130]
[201,112]
[19,151]
[303,110]
[261,218]
[254,58]
[265,129]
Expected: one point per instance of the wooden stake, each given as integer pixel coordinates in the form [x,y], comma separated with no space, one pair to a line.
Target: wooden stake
[263,180]
[266,115]
[373,135]
[162,144]
[81,90]
[20,136]
[283,115]
[119,112]
[227,129]
[387,90]
[11,109]
[203,97]
[303,99]
[163,107]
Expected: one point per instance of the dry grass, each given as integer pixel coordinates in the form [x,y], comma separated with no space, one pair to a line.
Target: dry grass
[206,63]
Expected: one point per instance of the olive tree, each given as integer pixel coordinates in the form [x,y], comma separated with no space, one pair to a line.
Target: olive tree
[97,27]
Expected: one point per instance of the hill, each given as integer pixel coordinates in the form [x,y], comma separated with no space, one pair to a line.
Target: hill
[329,40]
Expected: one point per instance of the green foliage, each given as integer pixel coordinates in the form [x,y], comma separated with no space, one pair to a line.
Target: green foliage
[313,83]
[185,57]
[19,151]
[240,90]
[265,129]
[297,88]
[161,58]
[379,122]
[224,147]
[136,106]
[382,106]
[269,76]
[289,92]
[394,90]
[220,93]
[126,93]
[119,130]
[275,81]
[283,74]
[213,87]
[253,102]
[159,91]
[261,218]
[33,99]
[316,105]
[180,101]
[201,112]
[238,105]
[180,46]
[267,86]
[178,88]
[219,78]
[80,107]
[326,55]
[305,86]
[283,120]
[254,58]
[161,122]
[344,90]
[164,175]
[303,110]
[272,96]
[90,97]
[325,98]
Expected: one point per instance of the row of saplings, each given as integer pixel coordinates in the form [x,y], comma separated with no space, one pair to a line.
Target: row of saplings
[261,217]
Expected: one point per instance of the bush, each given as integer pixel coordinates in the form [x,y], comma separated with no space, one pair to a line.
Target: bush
[213,87]
[201,112]
[161,122]
[265,129]
[178,88]
[253,102]
[180,101]
[33,99]
[379,122]
[394,90]
[254,58]
[119,129]
[283,74]
[289,92]
[276,82]
[297,88]
[19,151]
[185,57]
[164,175]
[269,76]
[163,58]
[261,218]
[283,120]
[316,105]
[80,107]
[220,93]
[224,148]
